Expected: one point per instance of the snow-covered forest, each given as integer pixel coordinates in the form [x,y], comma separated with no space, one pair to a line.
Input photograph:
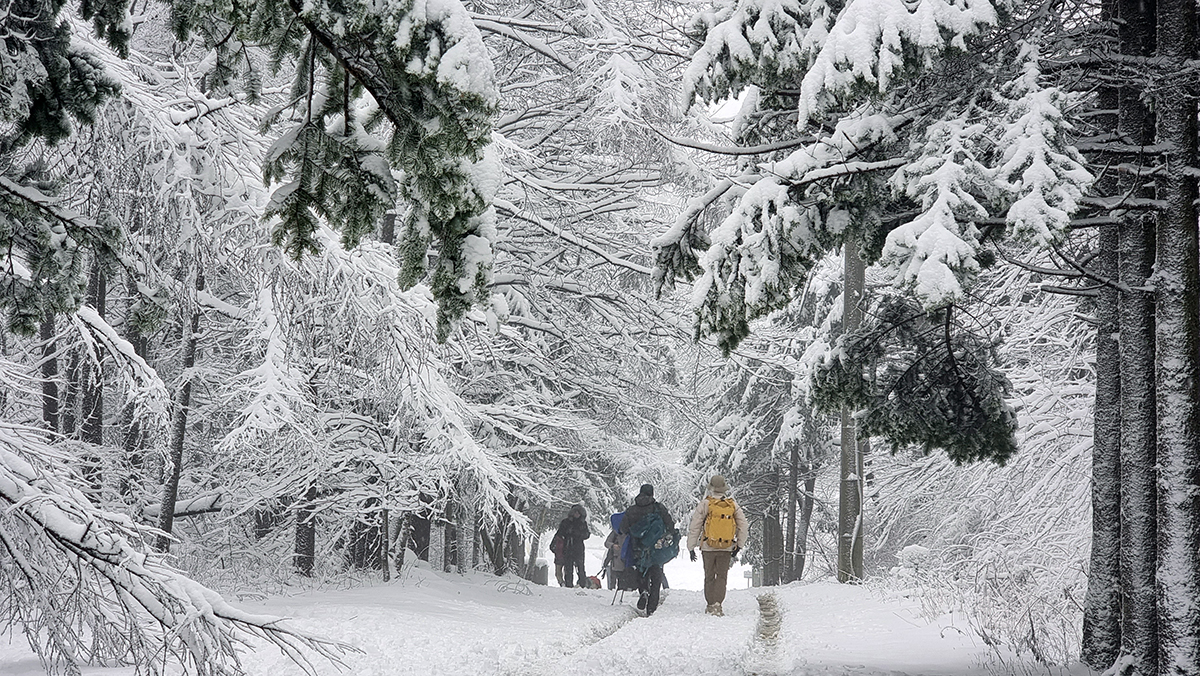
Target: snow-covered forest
[334,309]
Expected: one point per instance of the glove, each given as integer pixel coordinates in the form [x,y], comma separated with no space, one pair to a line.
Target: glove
[736,549]
[692,554]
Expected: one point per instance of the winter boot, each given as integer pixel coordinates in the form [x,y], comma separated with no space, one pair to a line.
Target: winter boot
[717,610]
[709,609]
[642,599]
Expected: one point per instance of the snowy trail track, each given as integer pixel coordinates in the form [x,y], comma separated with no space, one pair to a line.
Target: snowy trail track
[431,625]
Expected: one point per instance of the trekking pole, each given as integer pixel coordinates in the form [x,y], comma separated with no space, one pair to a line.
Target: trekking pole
[615,592]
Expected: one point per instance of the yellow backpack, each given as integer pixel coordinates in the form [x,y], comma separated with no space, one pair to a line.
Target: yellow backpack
[720,528]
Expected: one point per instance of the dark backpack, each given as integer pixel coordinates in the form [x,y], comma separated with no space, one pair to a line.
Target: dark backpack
[655,545]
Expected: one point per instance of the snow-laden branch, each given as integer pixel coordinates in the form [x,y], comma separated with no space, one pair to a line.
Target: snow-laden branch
[511,210]
[70,565]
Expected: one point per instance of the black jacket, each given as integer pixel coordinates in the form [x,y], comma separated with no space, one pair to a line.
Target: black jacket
[642,506]
[573,533]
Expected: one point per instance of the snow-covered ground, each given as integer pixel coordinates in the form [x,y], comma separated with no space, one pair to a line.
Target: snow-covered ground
[430,623]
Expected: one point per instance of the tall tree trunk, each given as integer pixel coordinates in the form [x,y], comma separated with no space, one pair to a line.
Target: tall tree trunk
[806,507]
[304,555]
[385,545]
[772,547]
[134,440]
[850,524]
[49,368]
[1136,262]
[1102,605]
[92,386]
[364,547]
[183,401]
[449,541]
[793,487]
[420,529]
[462,535]
[1177,342]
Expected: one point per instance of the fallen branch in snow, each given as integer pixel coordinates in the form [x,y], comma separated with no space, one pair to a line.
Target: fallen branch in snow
[81,591]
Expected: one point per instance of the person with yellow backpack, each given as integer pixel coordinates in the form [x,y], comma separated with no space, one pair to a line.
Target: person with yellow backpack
[719,527]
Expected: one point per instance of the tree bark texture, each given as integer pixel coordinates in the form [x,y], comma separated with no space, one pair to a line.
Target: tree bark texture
[1177,340]
[772,542]
[793,488]
[183,402]
[850,525]
[1102,604]
[304,555]
[1136,262]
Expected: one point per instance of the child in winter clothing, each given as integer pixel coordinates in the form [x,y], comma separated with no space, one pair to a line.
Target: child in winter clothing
[719,542]
[612,548]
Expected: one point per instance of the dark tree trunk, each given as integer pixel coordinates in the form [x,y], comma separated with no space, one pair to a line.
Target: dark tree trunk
[806,507]
[385,544]
[772,547]
[420,536]
[1177,341]
[49,369]
[304,556]
[387,228]
[850,524]
[403,536]
[183,402]
[92,386]
[365,546]
[793,486]
[449,541]
[265,520]
[1102,606]
[514,554]
[134,439]
[1136,262]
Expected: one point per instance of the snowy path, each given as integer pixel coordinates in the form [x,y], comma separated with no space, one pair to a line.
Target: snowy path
[435,624]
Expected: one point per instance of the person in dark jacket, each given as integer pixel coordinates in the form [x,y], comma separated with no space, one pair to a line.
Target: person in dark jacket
[573,530]
[651,581]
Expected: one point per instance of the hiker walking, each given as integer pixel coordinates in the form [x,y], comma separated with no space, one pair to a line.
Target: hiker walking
[568,539]
[613,565]
[719,526]
[653,541]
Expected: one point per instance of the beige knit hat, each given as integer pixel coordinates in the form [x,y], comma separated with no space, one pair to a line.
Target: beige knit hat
[717,484]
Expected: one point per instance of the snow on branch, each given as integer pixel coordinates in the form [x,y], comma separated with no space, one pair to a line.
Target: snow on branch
[935,253]
[1041,169]
[147,391]
[82,590]
[872,40]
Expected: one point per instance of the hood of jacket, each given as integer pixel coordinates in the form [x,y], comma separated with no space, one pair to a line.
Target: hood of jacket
[643,500]
[580,509]
[615,520]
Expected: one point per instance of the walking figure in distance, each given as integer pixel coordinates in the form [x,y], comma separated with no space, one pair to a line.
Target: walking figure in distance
[654,542]
[571,533]
[719,526]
